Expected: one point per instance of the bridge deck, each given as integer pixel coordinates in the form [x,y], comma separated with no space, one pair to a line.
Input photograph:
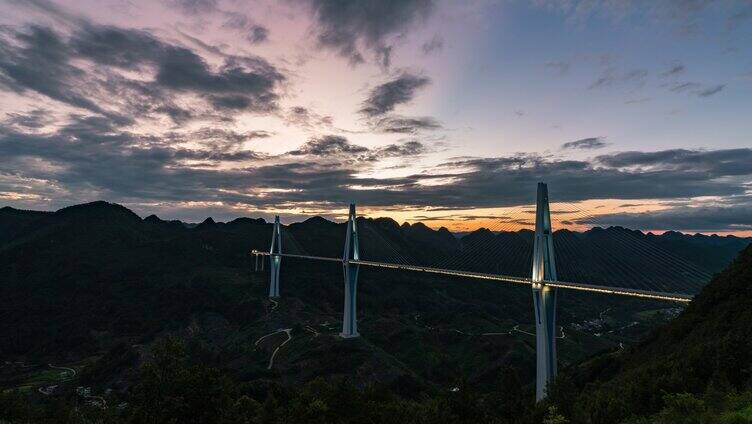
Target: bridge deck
[619,291]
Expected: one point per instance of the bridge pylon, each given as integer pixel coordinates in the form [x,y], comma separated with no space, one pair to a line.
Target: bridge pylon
[544,296]
[352,252]
[274,259]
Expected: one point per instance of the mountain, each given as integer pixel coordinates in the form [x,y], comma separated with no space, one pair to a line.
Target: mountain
[705,352]
[94,288]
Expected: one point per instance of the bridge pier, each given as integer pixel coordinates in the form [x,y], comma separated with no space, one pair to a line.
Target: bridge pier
[544,296]
[274,259]
[352,252]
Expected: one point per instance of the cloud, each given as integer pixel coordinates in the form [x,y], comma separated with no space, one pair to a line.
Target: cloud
[38,60]
[406,125]
[306,118]
[89,158]
[713,163]
[334,146]
[735,217]
[696,89]
[680,87]
[258,34]
[33,119]
[327,146]
[83,70]
[344,26]
[400,90]
[433,45]
[673,71]
[591,143]
[710,91]
[611,76]
[407,149]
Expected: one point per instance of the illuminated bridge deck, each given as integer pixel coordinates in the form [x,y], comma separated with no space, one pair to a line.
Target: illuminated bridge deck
[619,291]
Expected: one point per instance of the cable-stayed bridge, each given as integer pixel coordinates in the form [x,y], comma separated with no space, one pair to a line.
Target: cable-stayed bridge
[667,271]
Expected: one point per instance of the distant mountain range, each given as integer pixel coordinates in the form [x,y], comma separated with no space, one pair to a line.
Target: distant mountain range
[97,281]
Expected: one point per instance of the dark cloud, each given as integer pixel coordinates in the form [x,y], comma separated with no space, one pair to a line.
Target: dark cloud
[258,34]
[41,60]
[406,125]
[737,217]
[696,89]
[306,118]
[236,85]
[673,71]
[216,139]
[407,149]
[38,60]
[684,86]
[710,91]
[711,163]
[383,98]
[344,25]
[327,146]
[433,45]
[334,146]
[611,76]
[590,143]
[89,158]
[33,119]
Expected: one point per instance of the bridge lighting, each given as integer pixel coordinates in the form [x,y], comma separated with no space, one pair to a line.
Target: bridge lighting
[275,258]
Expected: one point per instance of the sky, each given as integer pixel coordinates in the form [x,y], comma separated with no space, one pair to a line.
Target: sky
[635,113]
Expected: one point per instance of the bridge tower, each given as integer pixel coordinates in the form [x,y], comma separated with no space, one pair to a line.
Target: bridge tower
[274,259]
[544,296]
[352,252]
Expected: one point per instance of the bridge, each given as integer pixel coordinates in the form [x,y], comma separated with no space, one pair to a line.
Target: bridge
[543,282]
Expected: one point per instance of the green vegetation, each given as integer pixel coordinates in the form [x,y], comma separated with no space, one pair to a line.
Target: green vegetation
[693,365]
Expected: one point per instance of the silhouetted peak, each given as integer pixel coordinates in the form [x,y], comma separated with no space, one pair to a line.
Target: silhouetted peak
[672,234]
[444,230]
[317,220]
[246,220]
[8,210]
[208,221]
[420,228]
[481,232]
[153,218]
[386,222]
[99,210]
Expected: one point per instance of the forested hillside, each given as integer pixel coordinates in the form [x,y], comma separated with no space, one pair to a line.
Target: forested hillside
[141,312]
[702,357]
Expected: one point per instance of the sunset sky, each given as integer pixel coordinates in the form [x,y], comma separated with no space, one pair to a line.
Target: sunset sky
[636,113]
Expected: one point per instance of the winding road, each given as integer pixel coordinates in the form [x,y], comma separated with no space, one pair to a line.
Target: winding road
[71,372]
[287,331]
